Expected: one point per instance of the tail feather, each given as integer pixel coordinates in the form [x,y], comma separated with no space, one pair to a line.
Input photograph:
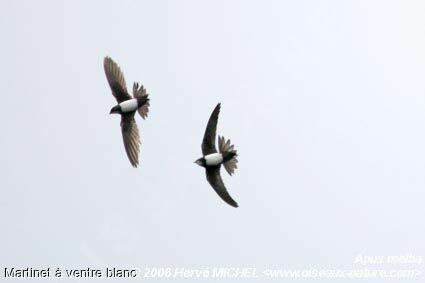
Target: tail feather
[143,111]
[140,92]
[226,146]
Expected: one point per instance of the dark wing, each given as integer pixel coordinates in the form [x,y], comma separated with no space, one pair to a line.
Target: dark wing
[130,135]
[208,143]
[214,178]
[116,80]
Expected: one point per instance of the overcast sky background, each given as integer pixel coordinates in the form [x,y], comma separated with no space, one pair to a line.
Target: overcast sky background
[324,101]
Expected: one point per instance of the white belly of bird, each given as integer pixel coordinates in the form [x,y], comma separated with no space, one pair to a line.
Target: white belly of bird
[213,159]
[129,105]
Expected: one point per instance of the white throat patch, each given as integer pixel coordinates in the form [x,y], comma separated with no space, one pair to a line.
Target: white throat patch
[213,159]
[129,105]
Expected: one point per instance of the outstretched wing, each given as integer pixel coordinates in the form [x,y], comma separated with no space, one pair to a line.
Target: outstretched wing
[214,178]
[116,80]
[131,138]
[208,143]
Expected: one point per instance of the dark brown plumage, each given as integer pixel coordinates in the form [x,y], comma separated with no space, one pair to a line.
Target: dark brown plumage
[129,129]
[227,152]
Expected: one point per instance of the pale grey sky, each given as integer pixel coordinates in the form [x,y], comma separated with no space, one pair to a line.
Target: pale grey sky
[324,101]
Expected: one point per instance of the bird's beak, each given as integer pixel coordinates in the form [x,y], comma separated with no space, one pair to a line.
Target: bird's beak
[198,162]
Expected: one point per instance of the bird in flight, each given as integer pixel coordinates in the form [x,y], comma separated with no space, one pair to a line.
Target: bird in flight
[212,160]
[127,107]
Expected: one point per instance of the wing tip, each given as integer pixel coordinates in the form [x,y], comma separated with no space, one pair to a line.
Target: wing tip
[106,59]
[134,162]
[218,106]
[235,204]
[217,109]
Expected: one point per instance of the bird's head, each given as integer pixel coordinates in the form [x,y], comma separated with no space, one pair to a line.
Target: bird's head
[200,162]
[116,109]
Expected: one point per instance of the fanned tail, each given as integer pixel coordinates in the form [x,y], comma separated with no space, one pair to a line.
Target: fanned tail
[139,92]
[226,146]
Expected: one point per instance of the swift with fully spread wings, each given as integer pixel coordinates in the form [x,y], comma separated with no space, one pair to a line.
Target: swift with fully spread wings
[127,107]
[212,160]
